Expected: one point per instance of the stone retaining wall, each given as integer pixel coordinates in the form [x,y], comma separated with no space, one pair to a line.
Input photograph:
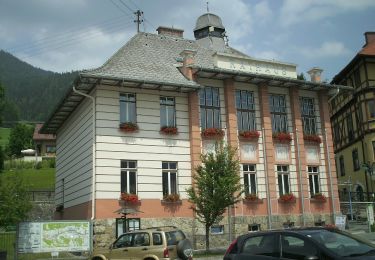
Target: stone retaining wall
[105,230]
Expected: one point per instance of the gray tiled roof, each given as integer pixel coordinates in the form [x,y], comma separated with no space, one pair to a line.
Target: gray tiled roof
[152,57]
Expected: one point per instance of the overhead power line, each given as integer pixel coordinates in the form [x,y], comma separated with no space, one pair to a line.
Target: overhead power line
[71,42]
[65,35]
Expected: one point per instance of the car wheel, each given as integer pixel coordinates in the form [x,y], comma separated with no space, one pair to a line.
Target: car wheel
[184,249]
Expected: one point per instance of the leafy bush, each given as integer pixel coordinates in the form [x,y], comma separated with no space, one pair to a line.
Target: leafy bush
[49,162]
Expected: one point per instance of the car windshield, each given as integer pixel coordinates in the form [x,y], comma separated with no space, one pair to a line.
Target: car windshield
[173,237]
[340,243]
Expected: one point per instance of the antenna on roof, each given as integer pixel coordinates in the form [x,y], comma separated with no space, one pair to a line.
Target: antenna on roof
[207,7]
[139,13]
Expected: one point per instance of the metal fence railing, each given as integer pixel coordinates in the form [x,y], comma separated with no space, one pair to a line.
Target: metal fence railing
[346,196]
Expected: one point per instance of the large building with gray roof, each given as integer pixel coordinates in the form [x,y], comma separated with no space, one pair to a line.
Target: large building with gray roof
[130,133]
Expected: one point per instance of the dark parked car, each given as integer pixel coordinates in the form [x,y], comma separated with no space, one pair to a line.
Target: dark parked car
[300,243]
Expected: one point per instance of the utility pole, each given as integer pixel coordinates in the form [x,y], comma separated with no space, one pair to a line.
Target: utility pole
[139,13]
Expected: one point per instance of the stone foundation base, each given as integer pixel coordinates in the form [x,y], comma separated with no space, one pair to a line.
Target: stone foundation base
[105,230]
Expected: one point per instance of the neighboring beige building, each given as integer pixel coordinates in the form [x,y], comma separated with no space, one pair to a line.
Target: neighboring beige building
[353,123]
[111,136]
[45,144]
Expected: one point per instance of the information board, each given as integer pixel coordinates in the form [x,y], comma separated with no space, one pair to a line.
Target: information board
[340,222]
[54,236]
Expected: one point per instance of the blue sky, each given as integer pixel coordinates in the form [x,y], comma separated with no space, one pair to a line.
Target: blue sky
[65,35]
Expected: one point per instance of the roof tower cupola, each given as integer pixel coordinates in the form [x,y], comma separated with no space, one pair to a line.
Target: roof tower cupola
[209,25]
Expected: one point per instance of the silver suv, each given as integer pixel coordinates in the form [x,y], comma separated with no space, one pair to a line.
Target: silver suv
[156,243]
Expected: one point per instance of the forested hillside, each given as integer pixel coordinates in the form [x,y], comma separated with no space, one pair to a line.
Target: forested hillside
[31,92]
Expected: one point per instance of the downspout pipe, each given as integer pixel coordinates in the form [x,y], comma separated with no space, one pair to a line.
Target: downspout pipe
[93,185]
[269,208]
[300,180]
[330,177]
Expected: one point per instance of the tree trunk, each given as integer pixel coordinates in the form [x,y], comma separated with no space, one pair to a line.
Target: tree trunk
[207,238]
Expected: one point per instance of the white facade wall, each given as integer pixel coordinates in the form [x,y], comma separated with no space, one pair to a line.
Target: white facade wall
[147,146]
[74,157]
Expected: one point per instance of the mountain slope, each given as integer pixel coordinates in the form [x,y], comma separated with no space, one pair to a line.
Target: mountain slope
[34,91]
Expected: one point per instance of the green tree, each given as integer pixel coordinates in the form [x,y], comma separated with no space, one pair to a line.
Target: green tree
[20,138]
[301,76]
[15,203]
[216,186]
[2,103]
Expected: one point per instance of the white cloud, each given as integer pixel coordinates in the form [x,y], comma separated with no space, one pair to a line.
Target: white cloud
[327,49]
[262,12]
[295,11]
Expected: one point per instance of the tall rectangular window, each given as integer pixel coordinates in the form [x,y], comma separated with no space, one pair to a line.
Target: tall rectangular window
[129,176]
[308,115]
[245,110]
[278,113]
[313,172]
[283,179]
[167,112]
[356,165]
[249,177]
[371,109]
[169,178]
[209,102]
[349,125]
[342,165]
[357,78]
[336,132]
[127,108]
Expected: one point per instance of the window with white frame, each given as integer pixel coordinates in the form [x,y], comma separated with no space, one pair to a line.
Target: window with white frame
[249,177]
[209,102]
[308,115]
[278,113]
[169,178]
[283,179]
[129,176]
[314,183]
[217,229]
[127,108]
[245,110]
[167,112]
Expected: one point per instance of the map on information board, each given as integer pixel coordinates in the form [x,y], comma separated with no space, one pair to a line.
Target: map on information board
[55,236]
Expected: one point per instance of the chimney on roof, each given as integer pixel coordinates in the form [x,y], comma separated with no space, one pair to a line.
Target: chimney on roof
[315,74]
[170,31]
[370,37]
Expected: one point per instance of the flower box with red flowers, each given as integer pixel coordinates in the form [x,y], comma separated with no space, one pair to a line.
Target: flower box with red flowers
[312,138]
[171,198]
[282,137]
[129,198]
[129,127]
[252,197]
[319,197]
[212,133]
[169,130]
[252,135]
[287,198]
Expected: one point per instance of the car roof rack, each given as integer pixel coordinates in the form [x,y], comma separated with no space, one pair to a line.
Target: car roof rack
[159,227]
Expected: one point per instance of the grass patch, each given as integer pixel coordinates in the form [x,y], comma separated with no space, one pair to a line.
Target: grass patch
[35,179]
[4,136]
